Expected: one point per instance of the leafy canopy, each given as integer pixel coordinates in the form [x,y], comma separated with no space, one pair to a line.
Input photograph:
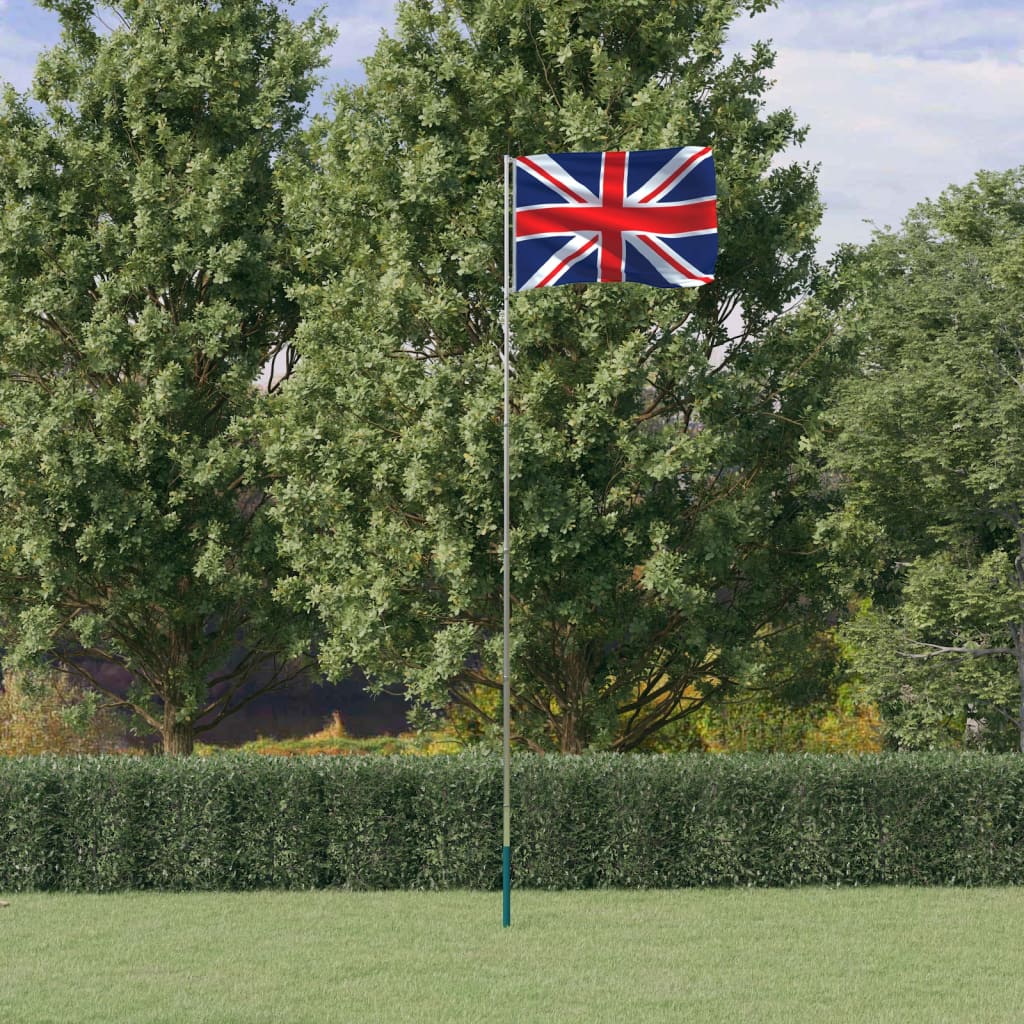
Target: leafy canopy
[927,437]
[661,548]
[142,288]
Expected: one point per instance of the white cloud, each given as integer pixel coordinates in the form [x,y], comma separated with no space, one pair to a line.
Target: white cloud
[17,58]
[942,29]
[359,24]
[357,39]
[25,31]
[889,132]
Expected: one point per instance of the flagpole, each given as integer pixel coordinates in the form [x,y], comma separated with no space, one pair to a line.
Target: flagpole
[506,805]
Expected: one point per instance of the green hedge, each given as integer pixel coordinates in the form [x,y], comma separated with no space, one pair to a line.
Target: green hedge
[234,822]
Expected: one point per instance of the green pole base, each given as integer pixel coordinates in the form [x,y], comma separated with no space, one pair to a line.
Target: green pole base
[506,886]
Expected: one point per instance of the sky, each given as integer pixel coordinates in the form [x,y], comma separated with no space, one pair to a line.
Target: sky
[902,98]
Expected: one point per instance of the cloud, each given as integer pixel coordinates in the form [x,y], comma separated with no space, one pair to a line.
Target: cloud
[902,98]
[357,39]
[358,30]
[17,58]
[890,132]
[25,31]
[938,29]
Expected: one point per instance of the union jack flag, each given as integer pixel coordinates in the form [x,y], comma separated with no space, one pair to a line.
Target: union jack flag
[646,216]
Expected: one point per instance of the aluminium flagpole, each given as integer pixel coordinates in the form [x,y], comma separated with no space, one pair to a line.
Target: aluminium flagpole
[506,807]
[676,222]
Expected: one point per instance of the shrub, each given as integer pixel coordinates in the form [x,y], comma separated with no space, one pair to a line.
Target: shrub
[52,716]
[655,821]
[843,723]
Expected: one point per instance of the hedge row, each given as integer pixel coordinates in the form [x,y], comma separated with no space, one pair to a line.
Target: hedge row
[233,822]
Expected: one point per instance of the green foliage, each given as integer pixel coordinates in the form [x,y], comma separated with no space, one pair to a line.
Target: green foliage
[652,821]
[763,722]
[334,740]
[662,510]
[52,716]
[142,288]
[926,438]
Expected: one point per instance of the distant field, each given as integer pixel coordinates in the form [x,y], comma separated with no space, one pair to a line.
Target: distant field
[786,956]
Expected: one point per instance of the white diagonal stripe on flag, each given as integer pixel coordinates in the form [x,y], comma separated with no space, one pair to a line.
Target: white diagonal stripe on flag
[558,263]
[670,264]
[671,174]
[549,171]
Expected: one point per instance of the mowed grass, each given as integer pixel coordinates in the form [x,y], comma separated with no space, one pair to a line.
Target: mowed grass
[816,955]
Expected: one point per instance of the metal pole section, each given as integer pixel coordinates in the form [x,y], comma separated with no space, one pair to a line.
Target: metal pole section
[506,804]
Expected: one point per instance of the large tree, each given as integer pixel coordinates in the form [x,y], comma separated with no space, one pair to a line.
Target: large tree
[142,288]
[927,440]
[661,549]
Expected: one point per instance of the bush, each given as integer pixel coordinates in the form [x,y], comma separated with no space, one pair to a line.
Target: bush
[844,722]
[245,822]
[52,715]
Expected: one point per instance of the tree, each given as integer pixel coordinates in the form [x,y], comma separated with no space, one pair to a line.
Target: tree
[142,288]
[661,550]
[927,439]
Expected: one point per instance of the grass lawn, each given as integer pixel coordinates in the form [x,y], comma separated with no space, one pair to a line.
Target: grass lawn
[816,955]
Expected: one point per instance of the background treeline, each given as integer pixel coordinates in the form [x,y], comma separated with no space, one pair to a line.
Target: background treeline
[250,397]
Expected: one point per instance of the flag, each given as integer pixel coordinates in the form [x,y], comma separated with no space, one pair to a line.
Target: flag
[646,216]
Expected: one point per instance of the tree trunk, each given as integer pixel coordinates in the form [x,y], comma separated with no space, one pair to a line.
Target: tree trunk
[569,728]
[179,737]
[569,739]
[1018,646]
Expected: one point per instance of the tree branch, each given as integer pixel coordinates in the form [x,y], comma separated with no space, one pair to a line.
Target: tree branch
[119,701]
[938,650]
